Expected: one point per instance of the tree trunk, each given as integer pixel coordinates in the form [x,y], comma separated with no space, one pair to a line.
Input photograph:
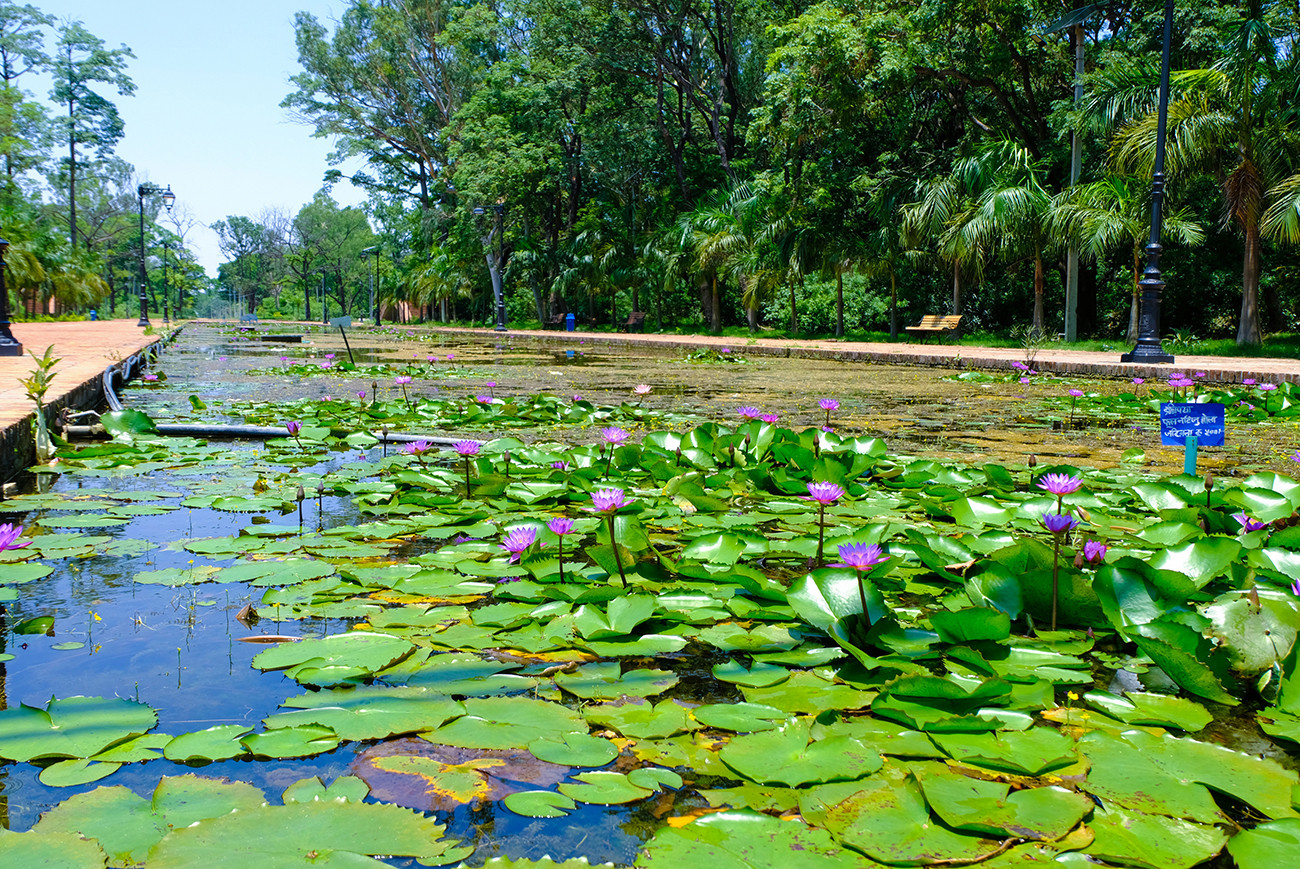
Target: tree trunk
[1248,332]
[716,306]
[956,288]
[893,305]
[794,312]
[1040,319]
[839,303]
[1136,304]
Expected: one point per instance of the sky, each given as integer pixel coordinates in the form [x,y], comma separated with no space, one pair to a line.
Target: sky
[206,116]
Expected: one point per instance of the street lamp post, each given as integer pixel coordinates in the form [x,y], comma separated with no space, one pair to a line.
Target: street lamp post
[168,198]
[374,281]
[498,277]
[166,304]
[9,345]
[1148,348]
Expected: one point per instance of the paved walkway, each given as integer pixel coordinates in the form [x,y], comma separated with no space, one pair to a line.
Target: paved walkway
[1229,369]
[85,350]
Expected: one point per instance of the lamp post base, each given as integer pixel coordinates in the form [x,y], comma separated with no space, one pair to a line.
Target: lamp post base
[144,323]
[1148,354]
[9,346]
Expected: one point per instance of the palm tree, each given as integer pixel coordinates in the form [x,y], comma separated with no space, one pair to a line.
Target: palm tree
[1105,215]
[1225,120]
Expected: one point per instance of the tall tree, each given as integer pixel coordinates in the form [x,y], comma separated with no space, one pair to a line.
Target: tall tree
[22,51]
[81,61]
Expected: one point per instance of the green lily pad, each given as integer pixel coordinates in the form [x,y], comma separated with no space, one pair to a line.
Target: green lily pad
[806,692]
[574,749]
[15,574]
[740,717]
[1125,777]
[369,711]
[788,755]
[1159,710]
[604,789]
[34,627]
[1032,752]
[607,681]
[127,826]
[303,741]
[220,742]
[539,804]
[287,837]
[74,727]
[744,839]
[1267,846]
[639,719]
[1132,838]
[760,675]
[33,850]
[80,771]
[992,808]
[335,659]
[507,722]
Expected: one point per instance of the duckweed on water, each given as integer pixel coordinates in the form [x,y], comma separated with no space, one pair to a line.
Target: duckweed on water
[745,704]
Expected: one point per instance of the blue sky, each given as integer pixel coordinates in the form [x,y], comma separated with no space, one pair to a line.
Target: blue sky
[206,114]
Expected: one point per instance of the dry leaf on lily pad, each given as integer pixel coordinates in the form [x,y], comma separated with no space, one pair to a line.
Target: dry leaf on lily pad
[430,777]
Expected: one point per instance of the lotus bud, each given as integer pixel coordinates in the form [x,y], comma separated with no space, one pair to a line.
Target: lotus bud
[301,494]
[1033,461]
[1078,561]
[1209,482]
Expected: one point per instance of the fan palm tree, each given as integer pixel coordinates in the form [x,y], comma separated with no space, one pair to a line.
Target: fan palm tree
[1226,120]
[1104,216]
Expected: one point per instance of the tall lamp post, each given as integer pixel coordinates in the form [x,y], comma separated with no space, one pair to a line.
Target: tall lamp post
[168,199]
[9,345]
[498,277]
[1148,348]
[374,281]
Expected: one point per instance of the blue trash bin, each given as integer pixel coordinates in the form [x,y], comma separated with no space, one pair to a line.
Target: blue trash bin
[569,321]
[94,315]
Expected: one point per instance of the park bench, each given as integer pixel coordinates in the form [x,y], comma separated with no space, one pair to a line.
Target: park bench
[935,324]
[555,322]
[635,322]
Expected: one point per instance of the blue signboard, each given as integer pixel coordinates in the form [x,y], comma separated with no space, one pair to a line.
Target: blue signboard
[1182,420]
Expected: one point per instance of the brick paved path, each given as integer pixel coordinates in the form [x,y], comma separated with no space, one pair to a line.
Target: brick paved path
[85,348]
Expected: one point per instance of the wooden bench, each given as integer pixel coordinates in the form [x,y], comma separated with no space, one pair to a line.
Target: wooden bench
[635,322]
[935,324]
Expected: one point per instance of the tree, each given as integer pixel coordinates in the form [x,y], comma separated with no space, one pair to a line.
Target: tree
[80,61]
[1227,119]
[248,244]
[23,131]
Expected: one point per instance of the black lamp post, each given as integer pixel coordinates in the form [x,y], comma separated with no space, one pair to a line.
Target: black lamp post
[498,278]
[168,198]
[374,281]
[1148,348]
[9,345]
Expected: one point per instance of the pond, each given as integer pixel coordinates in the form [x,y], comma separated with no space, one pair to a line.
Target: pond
[639,628]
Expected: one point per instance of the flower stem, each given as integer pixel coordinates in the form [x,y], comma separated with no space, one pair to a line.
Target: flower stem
[467,476]
[618,562]
[821,532]
[561,536]
[1056,567]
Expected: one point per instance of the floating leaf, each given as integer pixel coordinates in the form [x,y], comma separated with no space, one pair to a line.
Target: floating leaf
[606,681]
[574,749]
[539,804]
[992,808]
[1151,841]
[75,727]
[1267,846]
[335,659]
[732,840]
[302,741]
[220,742]
[789,756]
[604,789]
[507,722]
[33,850]
[639,719]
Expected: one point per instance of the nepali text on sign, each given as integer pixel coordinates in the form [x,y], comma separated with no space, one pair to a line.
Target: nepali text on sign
[1182,420]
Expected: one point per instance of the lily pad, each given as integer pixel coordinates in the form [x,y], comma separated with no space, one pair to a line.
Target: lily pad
[574,749]
[418,775]
[607,681]
[221,742]
[74,727]
[539,804]
[989,807]
[787,755]
[745,839]
[507,722]
[1132,838]
[1267,846]
[34,850]
[604,789]
[335,659]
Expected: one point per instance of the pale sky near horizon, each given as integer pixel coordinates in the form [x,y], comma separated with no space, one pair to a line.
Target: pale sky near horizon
[206,116]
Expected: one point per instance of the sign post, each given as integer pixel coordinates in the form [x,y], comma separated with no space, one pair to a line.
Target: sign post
[1190,425]
[344,323]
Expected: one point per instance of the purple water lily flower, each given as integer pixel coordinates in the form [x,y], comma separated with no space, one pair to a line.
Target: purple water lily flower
[825,493]
[1248,524]
[483,399]
[9,535]
[770,418]
[1094,551]
[560,525]
[608,500]
[517,540]
[402,379]
[1059,523]
[613,435]
[293,427]
[828,404]
[467,448]
[417,448]
[861,556]
[1059,484]
[1295,583]
[1268,387]
[1138,381]
[1076,393]
[748,411]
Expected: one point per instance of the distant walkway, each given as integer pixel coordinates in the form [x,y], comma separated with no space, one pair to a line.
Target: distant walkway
[1227,369]
[85,349]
